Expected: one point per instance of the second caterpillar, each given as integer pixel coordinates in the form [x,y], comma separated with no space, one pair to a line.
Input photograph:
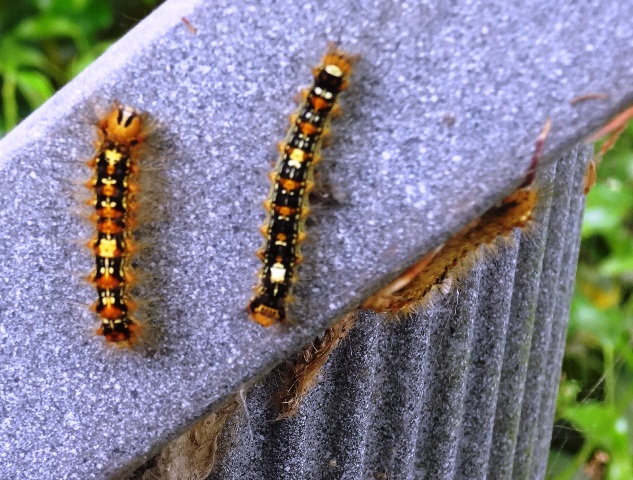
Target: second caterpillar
[287,203]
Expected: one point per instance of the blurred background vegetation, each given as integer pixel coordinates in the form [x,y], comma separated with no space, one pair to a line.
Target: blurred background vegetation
[45,43]
[593,436]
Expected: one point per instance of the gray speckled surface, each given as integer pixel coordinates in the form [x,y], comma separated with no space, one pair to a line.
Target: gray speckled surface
[74,409]
[448,393]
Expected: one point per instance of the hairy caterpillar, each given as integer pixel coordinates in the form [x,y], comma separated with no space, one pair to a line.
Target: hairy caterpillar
[114,189]
[291,184]
[448,262]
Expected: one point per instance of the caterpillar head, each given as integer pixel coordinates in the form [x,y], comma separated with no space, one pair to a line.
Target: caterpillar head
[123,125]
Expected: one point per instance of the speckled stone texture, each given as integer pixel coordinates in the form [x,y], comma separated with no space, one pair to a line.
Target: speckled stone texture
[405,176]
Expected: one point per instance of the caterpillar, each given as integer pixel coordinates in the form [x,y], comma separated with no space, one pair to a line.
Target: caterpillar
[451,260]
[287,203]
[114,189]
[446,264]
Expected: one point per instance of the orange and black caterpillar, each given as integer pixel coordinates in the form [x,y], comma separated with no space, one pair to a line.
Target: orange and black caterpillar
[291,184]
[114,188]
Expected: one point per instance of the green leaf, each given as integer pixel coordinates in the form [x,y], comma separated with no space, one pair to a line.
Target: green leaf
[600,424]
[606,325]
[90,15]
[35,87]
[567,393]
[615,265]
[619,467]
[15,55]
[67,6]
[605,210]
[99,16]
[9,102]
[49,27]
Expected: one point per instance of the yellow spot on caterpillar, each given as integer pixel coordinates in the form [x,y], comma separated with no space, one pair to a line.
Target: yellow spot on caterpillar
[297,157]
[107,248]
[112,157]
[277,273]
[334,70]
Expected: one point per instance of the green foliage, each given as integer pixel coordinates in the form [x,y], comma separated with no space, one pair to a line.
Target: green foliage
[45,43]
[596,393]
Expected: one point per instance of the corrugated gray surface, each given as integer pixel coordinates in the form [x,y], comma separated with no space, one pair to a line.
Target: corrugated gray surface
[463,390]
[73,409]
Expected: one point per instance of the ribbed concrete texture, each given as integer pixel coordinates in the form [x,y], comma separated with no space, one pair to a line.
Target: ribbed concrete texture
[463,390]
